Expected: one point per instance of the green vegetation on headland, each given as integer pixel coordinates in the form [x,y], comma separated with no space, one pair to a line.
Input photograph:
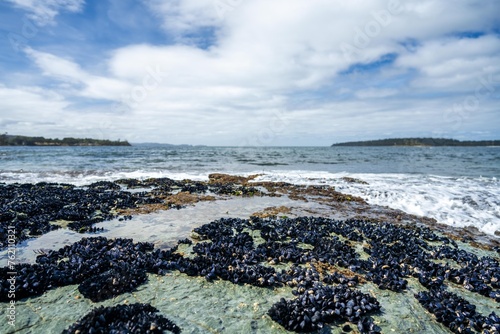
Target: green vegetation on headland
[11,140]
[420,142]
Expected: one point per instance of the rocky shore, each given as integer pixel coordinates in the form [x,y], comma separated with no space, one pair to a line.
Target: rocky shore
[269,257]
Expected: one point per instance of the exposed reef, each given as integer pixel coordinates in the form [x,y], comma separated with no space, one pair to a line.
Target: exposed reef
[329,273]
[36,209]
[103,267]
[324,267]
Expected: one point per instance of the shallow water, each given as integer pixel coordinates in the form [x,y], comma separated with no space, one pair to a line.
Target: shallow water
[162,228]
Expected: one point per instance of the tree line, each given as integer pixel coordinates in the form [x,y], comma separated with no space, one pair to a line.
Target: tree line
[12,140]
[420,142]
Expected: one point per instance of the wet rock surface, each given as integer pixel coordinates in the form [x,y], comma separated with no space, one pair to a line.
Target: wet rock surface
[92,262]
[35,209]
[134,318]
[324,268]
[32,208]
[329,273]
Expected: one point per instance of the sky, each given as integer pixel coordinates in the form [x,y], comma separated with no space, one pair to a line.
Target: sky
[250,72]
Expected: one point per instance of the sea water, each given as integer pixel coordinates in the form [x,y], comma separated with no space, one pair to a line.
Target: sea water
[458,186]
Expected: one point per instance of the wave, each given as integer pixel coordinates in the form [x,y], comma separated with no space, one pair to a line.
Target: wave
[81,178]
[268,164]
[459,202]
[455,201]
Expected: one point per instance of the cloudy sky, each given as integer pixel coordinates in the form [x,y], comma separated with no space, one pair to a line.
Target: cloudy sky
[250,72]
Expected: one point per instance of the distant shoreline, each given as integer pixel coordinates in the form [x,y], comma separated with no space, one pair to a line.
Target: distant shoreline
[13,140]
[421,142]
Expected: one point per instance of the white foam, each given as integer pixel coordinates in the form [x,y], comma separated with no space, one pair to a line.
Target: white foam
[85,178]
[453,201]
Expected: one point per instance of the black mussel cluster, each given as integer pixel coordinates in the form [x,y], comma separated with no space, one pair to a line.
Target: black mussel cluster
[300,278]
[366,325]
[324,267]
[119,279]
[322,304]
[234,189]
[94,229]
[456,313]
[163,185]
[125,218]
[386,266]
[185,241]
[338,278]
[113,265]
[193,187]
[122,319]
[104,186]
[278,252]
[28,280]
[481,275]
[30,208]
[230,258]
[396,253]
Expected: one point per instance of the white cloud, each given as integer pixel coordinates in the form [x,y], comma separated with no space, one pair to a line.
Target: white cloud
[454,64]
[22,108]
[26,99]
[57,67]
[375,93]
[276,61]
[43,12]
[186,16]
[43,112]
[81,83]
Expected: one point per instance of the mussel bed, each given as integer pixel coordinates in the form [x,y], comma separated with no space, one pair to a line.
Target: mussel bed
[33,209]
[120,279]
[316,249]
[135,318]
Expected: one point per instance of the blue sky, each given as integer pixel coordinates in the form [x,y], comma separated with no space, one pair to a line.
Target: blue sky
[250,72]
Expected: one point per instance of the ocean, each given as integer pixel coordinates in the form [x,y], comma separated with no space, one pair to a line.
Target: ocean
[458,186]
